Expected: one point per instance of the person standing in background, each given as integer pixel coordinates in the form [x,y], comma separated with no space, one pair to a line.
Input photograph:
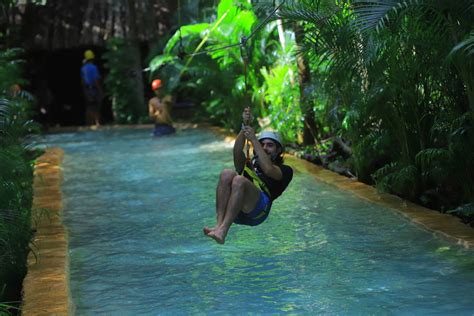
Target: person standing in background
[90,79]
[159,110]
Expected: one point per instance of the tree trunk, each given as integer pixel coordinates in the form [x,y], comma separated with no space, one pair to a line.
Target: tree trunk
[136,71]
[304,78]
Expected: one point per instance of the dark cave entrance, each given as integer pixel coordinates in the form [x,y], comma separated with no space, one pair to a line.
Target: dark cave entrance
[56,83]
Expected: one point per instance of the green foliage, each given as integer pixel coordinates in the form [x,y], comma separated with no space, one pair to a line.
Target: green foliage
[435,163]
[9,30]
[281,93]
[465,48]
[448,23]
[396,80]
[16,176]
[176,73]
[335,60]
[11,70]
[398,179]
[410,97]
[120,81]
[8,308]
[393,78]
[216,78]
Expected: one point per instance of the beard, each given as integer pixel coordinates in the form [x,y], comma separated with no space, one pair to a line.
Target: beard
[273,157]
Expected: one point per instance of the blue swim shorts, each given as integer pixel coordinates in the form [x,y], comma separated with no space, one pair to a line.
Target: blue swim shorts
[258,214]
[163,129]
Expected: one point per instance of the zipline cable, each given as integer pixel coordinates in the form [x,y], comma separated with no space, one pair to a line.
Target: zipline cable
[213,50]
[243,51]
[245,58]
[242,42]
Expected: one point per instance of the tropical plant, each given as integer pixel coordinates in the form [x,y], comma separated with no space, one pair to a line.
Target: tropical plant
[224,75]
[9,308]
[397,78]
[9,27]
[16,177]
[120,81]
[335,63]
[216,72]
[425,45]
[281,96]
[450,21]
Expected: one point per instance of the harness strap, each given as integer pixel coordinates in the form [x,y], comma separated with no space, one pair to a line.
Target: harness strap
[257,181]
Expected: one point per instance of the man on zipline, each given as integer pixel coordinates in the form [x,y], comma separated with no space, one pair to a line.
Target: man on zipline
[245,196]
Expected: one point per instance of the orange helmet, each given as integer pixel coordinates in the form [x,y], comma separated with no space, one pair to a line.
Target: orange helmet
[15,89]
[156,84]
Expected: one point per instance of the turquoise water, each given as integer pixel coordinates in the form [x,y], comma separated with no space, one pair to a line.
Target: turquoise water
[135,208]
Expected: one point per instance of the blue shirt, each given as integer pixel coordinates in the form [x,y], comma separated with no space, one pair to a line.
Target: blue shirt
[89,74]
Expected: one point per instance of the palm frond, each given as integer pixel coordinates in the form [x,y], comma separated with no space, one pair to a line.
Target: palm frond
[301,14]
[430,156]
[435,164]
[465,48]
[4,104]
[4,112]
[465,209]
[376,14]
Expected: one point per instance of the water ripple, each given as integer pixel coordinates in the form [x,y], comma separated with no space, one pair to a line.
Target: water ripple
[135,207]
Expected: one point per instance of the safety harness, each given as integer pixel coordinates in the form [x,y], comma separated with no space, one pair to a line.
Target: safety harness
[261,185]
[256,180]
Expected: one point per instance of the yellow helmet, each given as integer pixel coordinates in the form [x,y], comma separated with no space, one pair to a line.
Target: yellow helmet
[88,54]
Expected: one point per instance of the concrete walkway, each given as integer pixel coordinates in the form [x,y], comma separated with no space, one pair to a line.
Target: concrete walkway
[46,285]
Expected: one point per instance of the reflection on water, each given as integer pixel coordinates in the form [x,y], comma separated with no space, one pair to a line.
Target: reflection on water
[135,207]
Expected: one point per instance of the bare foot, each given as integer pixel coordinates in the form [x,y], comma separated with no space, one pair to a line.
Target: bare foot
[218,236]
[207,230]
